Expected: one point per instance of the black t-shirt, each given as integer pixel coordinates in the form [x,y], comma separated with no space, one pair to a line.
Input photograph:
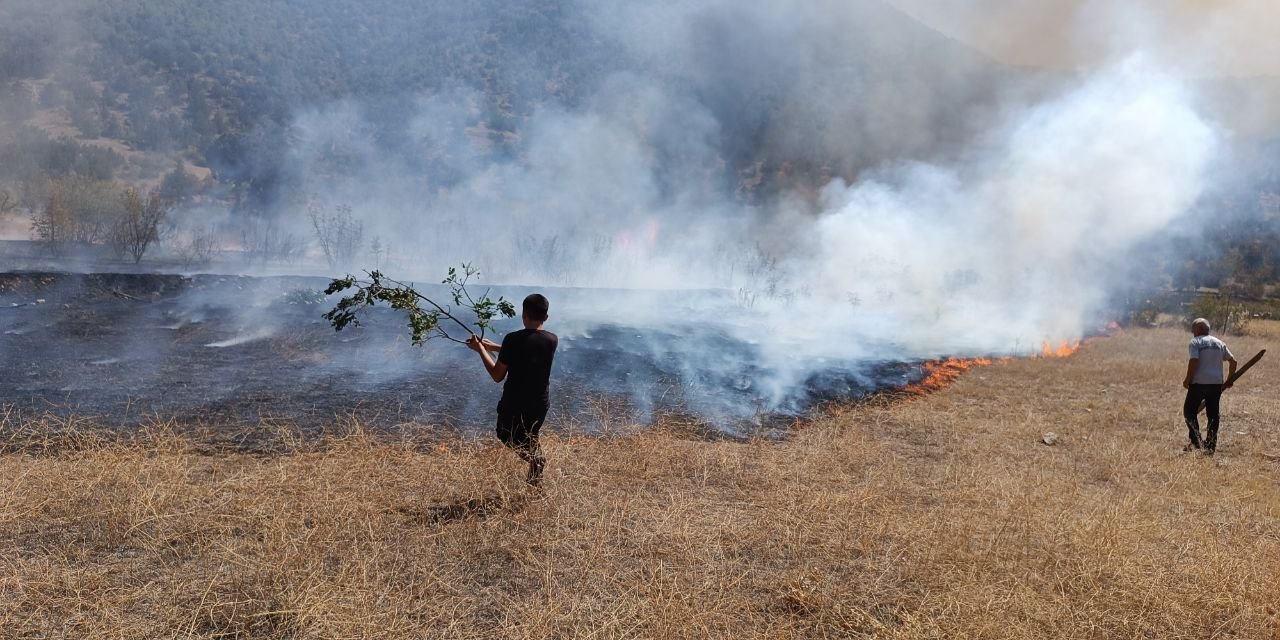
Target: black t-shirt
[527,354]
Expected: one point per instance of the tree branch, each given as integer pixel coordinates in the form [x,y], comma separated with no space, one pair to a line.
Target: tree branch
[424,313]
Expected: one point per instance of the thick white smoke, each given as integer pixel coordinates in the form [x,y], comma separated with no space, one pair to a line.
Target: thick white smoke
[742,201]
[1015,244]
[981,212]
[1015,241]
[1021,240]
[1039,207]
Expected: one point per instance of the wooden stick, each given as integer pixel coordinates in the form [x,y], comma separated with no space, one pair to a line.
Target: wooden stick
[1239,372]
[1252,361]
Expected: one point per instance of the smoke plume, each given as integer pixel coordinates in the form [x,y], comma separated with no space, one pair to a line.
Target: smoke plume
[832,183]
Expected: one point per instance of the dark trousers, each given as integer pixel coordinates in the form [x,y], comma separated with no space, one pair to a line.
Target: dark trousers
[518,428]
[1210,394]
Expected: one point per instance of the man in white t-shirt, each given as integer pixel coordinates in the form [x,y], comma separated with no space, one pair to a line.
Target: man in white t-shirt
[1204,382]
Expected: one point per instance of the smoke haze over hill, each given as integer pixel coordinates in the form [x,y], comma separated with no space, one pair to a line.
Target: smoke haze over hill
[1201,38]
[903,181]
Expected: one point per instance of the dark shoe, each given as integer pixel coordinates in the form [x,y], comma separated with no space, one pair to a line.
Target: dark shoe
[536,465]
[1211,438]
[1193,434]
[1209,452]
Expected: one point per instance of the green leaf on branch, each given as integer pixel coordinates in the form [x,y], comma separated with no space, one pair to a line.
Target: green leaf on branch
[426,317]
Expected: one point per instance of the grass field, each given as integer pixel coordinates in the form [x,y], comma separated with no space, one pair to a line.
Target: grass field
[942,516]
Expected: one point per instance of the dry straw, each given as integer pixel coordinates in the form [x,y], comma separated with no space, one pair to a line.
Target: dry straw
[941,516]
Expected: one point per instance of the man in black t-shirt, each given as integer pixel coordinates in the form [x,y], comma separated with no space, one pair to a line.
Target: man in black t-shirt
[524,360]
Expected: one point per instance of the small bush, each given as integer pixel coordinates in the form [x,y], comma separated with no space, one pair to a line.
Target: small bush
[197,248]
[8,201]
[264,241]
[138,225]
[1226,317]
[78,210]
[1145,313]
[178,185]
[339,234]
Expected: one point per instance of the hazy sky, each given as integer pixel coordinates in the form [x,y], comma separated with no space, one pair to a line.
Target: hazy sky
[1206,37]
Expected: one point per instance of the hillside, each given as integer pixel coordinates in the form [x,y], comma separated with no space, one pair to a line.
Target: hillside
[220,84]
[247,114]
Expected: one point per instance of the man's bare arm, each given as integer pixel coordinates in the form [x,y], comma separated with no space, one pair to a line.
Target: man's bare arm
[497,370]
[1231,366]
[1191,372]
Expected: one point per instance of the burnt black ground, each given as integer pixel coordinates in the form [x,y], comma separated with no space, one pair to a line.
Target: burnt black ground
[235,351]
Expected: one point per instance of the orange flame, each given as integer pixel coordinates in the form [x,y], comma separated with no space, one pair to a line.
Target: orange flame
[940,373]
[1065,349]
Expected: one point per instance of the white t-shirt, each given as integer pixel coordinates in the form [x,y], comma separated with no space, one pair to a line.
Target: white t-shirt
[1210,352]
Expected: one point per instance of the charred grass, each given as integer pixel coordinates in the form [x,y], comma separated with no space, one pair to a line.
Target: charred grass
[942,516]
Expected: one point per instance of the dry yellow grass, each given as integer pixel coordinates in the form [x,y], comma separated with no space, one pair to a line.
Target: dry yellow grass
[938,517]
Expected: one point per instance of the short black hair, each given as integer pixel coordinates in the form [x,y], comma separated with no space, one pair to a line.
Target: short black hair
[536,307]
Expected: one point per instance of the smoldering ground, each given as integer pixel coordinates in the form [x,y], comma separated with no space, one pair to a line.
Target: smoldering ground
[229,352]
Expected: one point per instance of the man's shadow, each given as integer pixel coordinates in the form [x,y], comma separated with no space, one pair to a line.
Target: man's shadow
[460,509]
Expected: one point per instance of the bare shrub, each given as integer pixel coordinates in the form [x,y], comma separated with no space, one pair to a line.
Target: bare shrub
[601,248]
[339,234]
[265,241]
[544,257]
[77,210]
[762,270]
[139,223]
[198,248]
[380,251]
